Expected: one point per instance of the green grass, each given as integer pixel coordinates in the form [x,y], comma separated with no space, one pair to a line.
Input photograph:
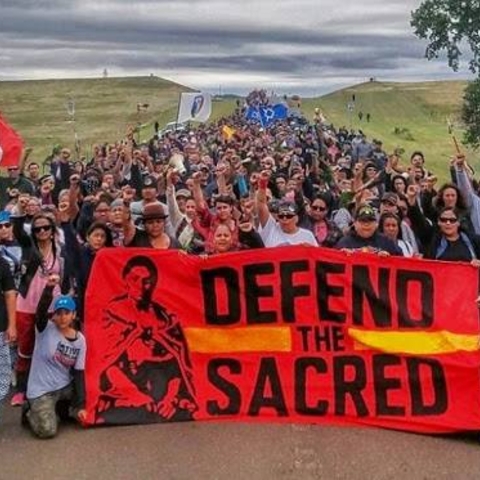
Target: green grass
[105,107]
[421,108]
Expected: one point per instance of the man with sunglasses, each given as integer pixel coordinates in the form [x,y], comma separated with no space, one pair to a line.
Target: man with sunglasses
[284,231]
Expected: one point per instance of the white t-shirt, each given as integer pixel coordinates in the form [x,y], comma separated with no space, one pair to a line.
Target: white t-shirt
[53,359]
[273,236]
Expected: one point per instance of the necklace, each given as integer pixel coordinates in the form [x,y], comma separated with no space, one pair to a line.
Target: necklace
[45,254]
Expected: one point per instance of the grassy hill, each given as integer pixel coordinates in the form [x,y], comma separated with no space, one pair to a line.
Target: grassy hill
[104,108]
[418,112]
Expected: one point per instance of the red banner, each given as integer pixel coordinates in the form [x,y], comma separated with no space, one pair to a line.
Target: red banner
[11,145]
[293,334]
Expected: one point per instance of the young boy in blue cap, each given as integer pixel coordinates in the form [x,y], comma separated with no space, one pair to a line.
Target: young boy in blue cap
[58,363]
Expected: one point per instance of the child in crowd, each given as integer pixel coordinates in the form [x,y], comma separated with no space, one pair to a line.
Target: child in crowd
[57,373]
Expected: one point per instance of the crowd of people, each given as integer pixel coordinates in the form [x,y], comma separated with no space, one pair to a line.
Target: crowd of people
[206,191]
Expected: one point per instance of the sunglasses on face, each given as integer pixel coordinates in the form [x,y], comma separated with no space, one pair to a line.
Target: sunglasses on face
[318,209]
[42,228]
[448,220]
[283,216]
[5,225]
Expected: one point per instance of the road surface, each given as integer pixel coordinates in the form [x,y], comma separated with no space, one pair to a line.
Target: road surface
[232,451]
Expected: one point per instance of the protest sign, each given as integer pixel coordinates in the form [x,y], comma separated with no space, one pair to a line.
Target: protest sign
[292,334]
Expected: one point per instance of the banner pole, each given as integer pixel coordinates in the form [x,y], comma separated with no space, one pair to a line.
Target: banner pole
[178,110]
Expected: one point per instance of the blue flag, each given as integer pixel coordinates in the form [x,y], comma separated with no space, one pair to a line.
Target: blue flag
[267,115]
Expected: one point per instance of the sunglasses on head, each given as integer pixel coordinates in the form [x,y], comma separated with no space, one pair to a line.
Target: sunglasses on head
[5,225]
[42,228]
[285,215]
[448,220]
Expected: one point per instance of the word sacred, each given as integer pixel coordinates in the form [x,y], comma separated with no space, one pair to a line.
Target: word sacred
[388,385]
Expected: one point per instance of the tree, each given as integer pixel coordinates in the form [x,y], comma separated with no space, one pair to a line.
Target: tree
[471,114]
[448,25]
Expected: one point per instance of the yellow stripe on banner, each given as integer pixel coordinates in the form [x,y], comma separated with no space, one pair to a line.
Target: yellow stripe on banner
[415,343]
[235,340]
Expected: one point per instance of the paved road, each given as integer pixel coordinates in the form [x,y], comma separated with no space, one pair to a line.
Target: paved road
[211,451]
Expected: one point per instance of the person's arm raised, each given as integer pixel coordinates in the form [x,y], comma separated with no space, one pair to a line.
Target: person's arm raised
[197,191]
[262,205]
[127,223]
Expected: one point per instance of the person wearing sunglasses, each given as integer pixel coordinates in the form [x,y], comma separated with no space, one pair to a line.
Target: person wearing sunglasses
[285,230]
[446,240]
[42,256]
[326,232]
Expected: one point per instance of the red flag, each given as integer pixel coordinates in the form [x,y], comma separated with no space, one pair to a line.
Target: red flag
[11,145]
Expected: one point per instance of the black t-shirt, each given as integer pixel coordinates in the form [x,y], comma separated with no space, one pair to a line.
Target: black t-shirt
[6,285]
[372,244]
[456,251]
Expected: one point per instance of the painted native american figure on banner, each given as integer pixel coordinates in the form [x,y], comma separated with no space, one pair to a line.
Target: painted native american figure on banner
[148,375]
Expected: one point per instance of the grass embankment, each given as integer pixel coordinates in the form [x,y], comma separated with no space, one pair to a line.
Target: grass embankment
[418,111]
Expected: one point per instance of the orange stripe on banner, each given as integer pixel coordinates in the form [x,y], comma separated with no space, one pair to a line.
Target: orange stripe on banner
[414,343]
[245,339]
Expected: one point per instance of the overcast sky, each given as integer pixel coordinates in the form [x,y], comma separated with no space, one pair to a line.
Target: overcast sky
[291,46]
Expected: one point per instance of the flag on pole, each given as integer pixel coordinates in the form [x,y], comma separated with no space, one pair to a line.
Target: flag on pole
[267,115]
[11,145]
[194,107]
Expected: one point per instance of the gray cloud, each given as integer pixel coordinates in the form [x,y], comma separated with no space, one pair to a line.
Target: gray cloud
[279,42]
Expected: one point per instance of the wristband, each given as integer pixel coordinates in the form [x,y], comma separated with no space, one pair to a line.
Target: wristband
[263,183]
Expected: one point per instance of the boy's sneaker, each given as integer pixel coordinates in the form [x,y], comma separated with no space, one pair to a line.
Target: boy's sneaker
[18,399]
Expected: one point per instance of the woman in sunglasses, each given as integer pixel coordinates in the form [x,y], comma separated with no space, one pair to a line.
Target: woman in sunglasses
[325,231]
[446,240]
[42,257]
[283,230]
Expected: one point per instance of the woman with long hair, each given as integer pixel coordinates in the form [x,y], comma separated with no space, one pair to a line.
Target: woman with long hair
[390,225]
[446,239]
[42,257]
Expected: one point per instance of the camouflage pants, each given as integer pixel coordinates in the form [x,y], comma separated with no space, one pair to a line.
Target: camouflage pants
[42,412]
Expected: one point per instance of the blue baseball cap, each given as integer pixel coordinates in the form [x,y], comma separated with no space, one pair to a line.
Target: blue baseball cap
[64,302]
[4,216]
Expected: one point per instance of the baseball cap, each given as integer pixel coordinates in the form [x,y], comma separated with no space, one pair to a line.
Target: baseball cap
[390,197]
[287,207]
[183,192]
[149,182]
[366,212]
[64,302]
[4,216]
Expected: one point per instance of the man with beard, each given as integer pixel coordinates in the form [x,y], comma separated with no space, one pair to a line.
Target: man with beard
[147,375]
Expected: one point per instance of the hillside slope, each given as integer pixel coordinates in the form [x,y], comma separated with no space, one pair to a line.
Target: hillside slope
[418,112]
[103,108]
